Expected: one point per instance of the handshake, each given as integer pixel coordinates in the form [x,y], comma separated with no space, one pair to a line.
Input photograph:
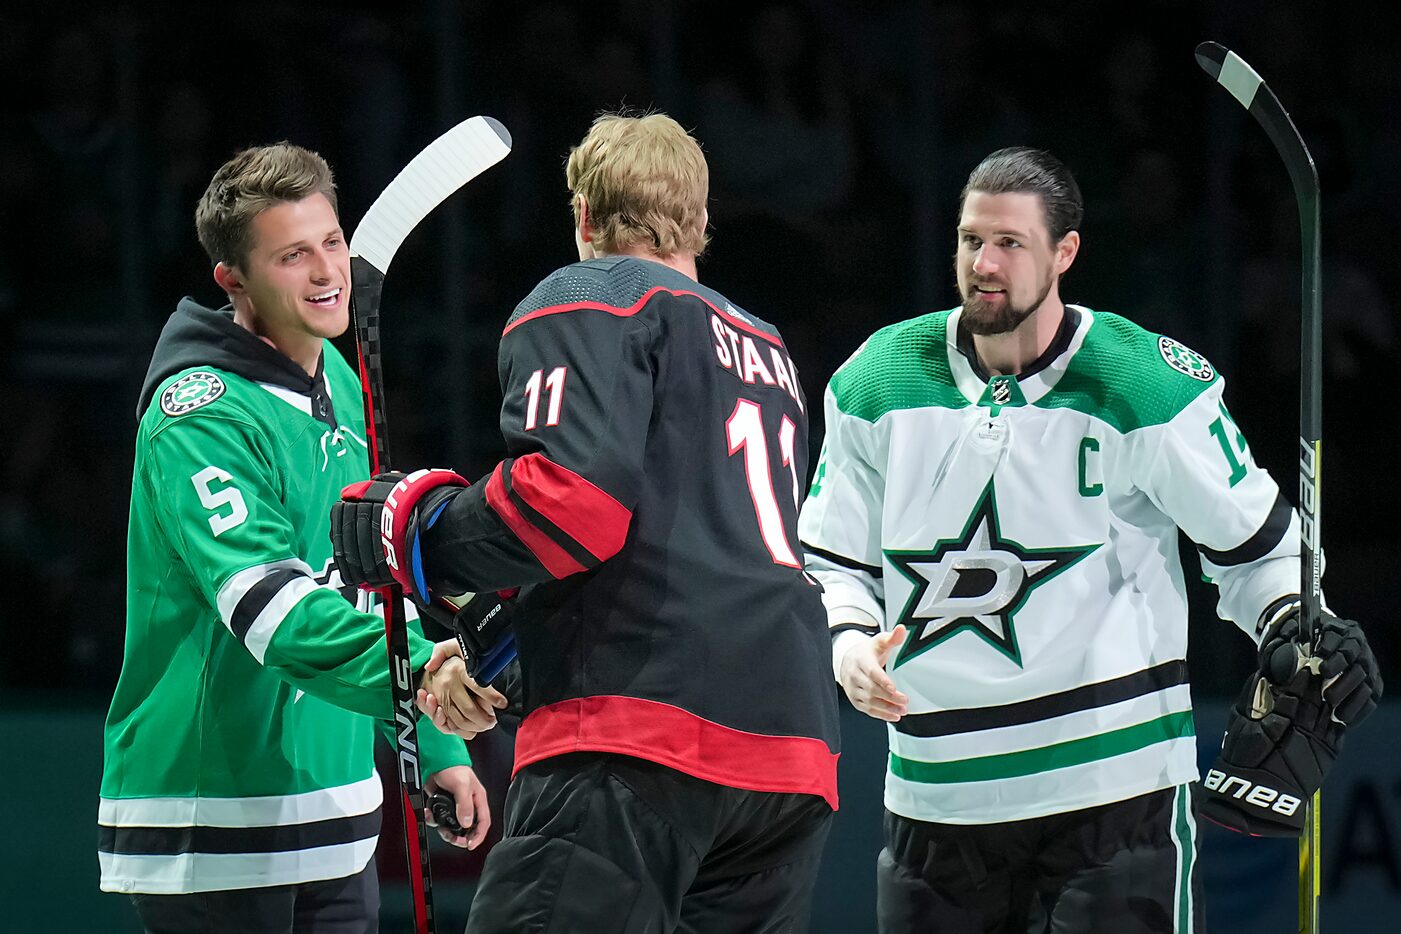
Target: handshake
[457,690]
[376,540]
[455,701]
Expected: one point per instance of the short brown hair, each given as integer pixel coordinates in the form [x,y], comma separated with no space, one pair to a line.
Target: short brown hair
[252,181]
[645,181]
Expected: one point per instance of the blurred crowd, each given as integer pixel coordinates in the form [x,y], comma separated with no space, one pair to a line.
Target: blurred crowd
[838,135]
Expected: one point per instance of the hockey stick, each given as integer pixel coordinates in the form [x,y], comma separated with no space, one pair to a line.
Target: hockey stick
[1233,74]
[448,163]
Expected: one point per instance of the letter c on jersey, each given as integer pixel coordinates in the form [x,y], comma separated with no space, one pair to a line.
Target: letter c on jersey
[1086,488]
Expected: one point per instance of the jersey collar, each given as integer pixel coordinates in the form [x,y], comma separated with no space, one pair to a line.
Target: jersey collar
[1036,380]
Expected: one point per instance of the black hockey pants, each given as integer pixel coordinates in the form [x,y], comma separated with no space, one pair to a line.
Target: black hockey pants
[1123,868]
[612,844]
[335,906]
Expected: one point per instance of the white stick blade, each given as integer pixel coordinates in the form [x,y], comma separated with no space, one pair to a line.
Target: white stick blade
[1240,79]
[448,163]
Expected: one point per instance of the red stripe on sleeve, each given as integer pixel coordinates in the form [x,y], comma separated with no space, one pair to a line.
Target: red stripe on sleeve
[581,510]
[678,739]
[556,560]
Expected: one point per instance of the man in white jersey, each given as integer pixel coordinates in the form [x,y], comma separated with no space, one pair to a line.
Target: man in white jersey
[995,520]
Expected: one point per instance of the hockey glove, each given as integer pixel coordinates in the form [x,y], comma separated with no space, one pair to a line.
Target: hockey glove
[1279,745]
[376,528]
[483,630]
[1352,684]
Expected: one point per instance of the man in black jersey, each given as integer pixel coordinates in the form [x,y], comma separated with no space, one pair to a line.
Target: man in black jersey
[657,441]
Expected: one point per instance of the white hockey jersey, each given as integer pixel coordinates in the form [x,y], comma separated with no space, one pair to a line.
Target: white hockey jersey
[1024,529]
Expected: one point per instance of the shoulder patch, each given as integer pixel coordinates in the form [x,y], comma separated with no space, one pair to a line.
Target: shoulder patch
[1185,360]
[191,391]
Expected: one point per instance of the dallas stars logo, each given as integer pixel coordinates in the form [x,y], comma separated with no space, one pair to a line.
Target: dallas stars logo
[977,582]
[1184,359]
[190,392]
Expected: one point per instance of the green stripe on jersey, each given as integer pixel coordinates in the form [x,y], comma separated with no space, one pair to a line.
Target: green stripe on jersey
[902,366]
[1046,758]
[1187,845]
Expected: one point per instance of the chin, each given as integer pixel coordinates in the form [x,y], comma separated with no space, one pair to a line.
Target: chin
[986,320]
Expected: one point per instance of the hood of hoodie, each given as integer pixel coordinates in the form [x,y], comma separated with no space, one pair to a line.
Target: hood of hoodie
[200,336]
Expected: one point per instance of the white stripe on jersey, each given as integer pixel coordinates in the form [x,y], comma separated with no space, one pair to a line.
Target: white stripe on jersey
[213,872]
[233,590]
[351,800]
[272,615]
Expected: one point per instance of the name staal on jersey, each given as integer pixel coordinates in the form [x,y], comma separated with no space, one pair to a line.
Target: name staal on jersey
[656,436]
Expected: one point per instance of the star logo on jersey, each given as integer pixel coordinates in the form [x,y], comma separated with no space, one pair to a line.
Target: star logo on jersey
[190,392]
[976,583]
[1183,359]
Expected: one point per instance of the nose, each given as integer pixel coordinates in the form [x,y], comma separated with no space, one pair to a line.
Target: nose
[984,263]
[321,266]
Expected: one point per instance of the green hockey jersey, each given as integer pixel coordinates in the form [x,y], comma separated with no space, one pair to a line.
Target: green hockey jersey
[1024,529]
[239,744]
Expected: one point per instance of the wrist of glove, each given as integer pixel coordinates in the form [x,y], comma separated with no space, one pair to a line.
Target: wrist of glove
[1280,743]
[1352,683]
[482,627]
[376,528]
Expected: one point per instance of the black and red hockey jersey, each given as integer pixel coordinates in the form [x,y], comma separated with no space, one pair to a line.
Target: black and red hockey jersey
[658,444]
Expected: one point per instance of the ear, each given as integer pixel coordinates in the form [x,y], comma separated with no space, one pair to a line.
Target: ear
[581,210]
[1066,251]
[229,278]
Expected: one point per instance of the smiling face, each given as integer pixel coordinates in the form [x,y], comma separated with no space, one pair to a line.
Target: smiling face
[293,289]
[1006,264]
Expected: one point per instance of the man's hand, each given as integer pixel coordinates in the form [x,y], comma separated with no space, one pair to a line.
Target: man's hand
[451,699]
[1352,683]
[471,808]
[375,528]
[863,677]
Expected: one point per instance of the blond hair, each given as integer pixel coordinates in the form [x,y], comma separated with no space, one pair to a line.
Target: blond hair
[252,181]
[646,184]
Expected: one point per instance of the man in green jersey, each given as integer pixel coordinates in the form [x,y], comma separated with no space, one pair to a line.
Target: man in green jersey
[995,523]
[238,788]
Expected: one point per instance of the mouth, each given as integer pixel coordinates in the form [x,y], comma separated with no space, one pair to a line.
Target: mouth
[987,292]
[327,299]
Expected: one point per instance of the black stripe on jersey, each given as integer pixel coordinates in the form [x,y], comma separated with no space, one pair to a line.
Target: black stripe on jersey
[842,560]
[858,627]
[1261,543]
[172,841]
[257,597]
[1086,697]
[560,537]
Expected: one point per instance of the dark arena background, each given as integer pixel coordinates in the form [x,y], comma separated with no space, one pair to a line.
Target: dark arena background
[838,136]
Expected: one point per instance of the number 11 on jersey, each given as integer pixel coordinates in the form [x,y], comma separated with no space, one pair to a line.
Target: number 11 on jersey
[744,430]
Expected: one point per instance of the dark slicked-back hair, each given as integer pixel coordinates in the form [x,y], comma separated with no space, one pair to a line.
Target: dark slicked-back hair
[1022,170]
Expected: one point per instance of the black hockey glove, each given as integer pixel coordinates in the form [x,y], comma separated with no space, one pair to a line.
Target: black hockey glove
[1352,682]
[375,528]
[482,628]
[1280,743]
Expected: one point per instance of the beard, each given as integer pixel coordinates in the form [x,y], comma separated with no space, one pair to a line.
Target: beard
[984,318]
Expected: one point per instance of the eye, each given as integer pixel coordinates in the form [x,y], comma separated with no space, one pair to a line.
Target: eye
[292,256]
[971,240]
[334,243]
[1010,243]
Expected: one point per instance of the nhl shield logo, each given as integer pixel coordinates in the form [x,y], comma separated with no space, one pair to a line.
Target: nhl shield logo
[1185,360]
[191,391]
